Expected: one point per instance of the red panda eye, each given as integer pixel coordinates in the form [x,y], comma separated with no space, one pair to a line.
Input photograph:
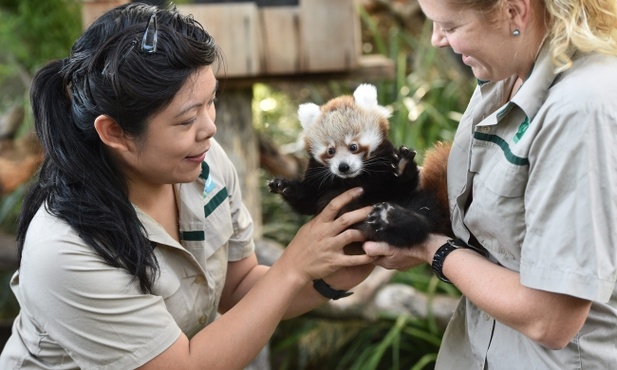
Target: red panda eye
[353,148]
[331,151]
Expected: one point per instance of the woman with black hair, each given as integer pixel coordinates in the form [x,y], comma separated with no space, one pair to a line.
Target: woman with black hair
[135,247]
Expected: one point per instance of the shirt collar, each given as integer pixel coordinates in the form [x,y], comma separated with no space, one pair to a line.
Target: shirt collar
[191,216]
[154,231]
[532,93]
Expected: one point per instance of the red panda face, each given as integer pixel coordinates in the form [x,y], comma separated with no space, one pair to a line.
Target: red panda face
[346,156]
[343,133]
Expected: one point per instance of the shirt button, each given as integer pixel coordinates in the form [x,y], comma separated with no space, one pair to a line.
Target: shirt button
[486,317]
[203,320]
[199,280]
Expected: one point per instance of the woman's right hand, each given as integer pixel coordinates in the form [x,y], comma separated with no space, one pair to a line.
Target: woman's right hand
[317,249]
[397,258]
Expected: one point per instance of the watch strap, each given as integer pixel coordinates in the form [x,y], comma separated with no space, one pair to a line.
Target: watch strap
[327,291]
[442,253]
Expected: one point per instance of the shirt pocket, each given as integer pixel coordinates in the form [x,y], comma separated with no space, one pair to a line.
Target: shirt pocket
[174,285]
[218,228]
[168,283]
[506,180]
[498,170]
[496,215]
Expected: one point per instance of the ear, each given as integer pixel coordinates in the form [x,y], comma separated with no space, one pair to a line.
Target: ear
[365,96]
[111,134]
[518,13]
[307,113]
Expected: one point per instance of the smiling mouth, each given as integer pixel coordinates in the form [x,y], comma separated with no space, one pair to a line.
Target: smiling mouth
[199,157]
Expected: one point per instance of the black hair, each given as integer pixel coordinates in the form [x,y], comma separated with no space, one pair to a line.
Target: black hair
[108,73]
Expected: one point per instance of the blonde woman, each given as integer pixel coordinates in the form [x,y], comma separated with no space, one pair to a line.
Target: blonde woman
[532,182]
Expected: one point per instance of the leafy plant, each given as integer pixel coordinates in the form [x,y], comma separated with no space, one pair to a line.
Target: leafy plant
[37,31]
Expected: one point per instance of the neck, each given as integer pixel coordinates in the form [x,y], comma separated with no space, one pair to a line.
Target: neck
[160,204]
[522,76]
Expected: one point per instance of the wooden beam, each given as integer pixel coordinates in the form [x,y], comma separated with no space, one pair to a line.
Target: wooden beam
[371,68]
[92,9]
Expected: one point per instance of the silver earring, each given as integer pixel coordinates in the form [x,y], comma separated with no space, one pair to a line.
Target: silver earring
[516,33]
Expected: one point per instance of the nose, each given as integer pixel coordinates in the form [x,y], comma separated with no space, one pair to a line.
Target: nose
[438,39]
[208,127]
[343,167]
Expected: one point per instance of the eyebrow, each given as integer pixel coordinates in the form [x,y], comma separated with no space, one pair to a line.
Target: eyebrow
[192,106]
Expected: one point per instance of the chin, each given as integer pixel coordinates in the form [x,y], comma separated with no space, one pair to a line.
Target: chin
[186,177]
[482,76]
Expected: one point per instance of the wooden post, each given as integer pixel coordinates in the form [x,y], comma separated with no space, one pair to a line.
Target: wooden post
[329,35]
[92,9]
[236,134]
[235,28]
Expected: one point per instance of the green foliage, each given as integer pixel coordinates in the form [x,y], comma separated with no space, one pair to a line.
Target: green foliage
[9,308]
[31,33]
[10,205]
[275,118]
[402,342]
[36,31]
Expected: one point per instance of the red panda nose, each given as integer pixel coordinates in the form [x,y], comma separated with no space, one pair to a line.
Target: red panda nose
[343,167]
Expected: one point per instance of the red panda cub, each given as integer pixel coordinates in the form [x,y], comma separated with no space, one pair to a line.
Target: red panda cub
[347,140]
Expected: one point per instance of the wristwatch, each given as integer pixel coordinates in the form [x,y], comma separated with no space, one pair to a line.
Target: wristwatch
[442,253]
[327,291]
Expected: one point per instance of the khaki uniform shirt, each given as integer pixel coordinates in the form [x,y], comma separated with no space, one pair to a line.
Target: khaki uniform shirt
[78,312]
[534,179]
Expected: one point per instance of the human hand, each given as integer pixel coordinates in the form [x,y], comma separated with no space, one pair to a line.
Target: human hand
[348,277]
[317,249]
[397,258]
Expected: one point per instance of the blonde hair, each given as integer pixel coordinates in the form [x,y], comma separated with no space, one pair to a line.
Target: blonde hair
[574,25]
[583,25]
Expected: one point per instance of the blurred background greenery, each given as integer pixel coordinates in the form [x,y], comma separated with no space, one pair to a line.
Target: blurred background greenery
[427,96]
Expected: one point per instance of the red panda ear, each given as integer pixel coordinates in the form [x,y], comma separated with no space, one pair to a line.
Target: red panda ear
[365,96]
[307,113]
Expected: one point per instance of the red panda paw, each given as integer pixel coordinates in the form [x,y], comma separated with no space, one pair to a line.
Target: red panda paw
[279,186]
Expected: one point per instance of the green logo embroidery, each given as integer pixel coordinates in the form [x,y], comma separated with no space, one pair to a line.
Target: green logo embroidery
[521,130]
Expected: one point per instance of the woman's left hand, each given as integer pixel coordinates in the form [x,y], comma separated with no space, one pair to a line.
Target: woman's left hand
[346,278]
[404,258]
